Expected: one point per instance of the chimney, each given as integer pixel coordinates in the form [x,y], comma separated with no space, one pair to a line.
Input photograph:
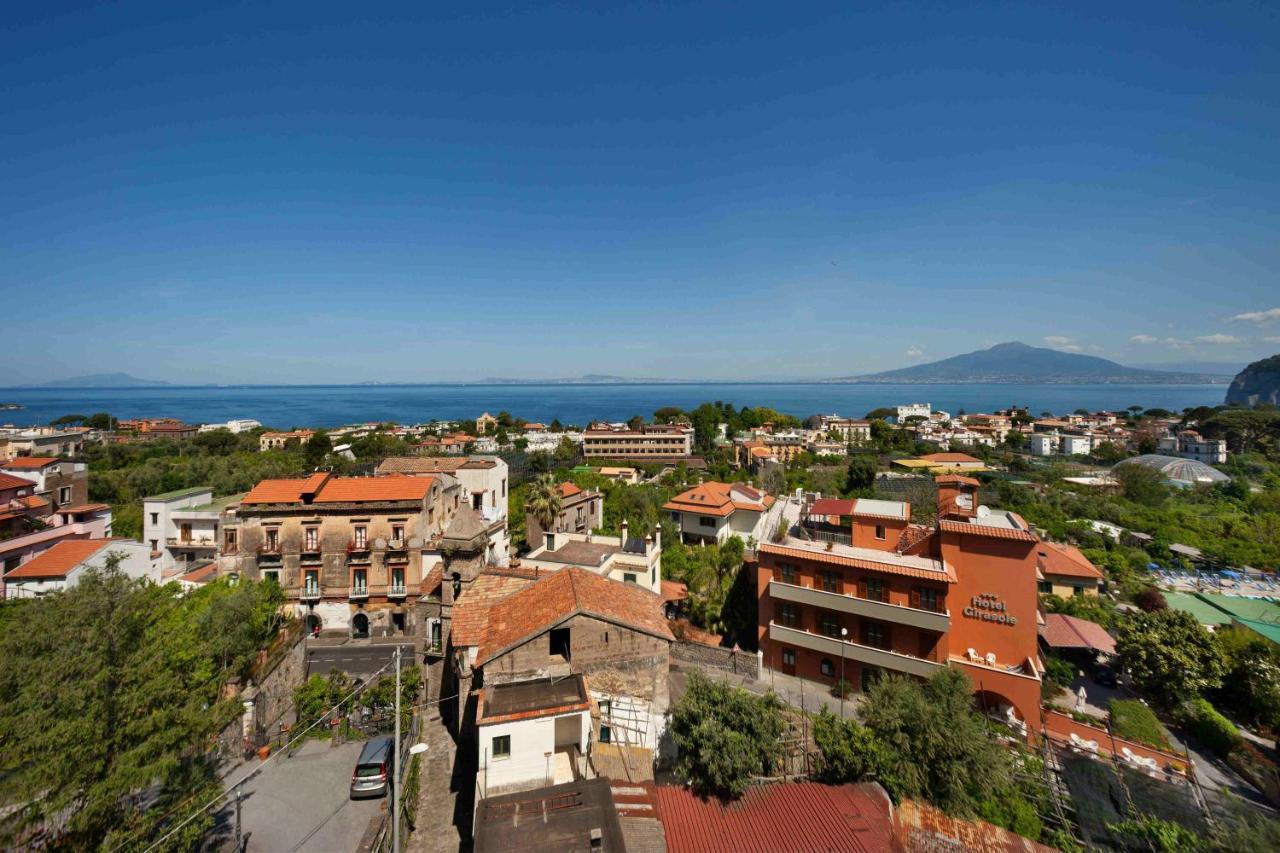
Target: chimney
[624,531]
[657,537]
[597,839]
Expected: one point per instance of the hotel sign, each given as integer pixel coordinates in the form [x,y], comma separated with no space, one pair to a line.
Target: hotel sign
[989,608]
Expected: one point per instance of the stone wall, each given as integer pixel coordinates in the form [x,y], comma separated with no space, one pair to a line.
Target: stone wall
[273,703]
[740,662]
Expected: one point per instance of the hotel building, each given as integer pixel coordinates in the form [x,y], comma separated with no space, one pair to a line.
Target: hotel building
[657,442]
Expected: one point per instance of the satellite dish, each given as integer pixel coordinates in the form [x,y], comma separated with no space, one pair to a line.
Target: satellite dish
[984,511]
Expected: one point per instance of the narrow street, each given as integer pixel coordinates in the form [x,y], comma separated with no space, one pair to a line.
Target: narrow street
[356,658]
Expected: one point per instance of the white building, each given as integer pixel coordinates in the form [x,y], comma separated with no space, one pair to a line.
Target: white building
[712,512]
[620,558]
[1075,445]
[181,527]
[914,410]
[484,481]
[1188,444]
[1042,443]
[235,425]
[62,566]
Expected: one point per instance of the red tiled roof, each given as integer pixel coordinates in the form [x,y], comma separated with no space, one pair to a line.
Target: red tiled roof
[1061,631]
[1065,561]
[797,817]
[568,490]
[8,481]
[29,462]
[947,573]
[357,489]
[831,506]
[204,574]
[471,612]
[58,560]
[548,602]
[986,530]
[79,508]
[715,498]
[674,590]
[33,502]
[956,478]
[950,457]
[275,492]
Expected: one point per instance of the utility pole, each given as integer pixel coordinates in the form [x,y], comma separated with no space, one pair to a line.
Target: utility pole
[395,773]
[239,837]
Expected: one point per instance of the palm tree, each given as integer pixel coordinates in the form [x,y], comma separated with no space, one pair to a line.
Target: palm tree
[543,502]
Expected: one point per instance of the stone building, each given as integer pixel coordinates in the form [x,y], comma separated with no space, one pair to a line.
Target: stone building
[350,552]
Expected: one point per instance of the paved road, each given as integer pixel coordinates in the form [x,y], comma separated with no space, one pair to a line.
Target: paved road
[304,803]
[358,660]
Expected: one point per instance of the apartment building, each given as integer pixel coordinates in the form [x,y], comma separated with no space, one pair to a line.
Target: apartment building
[484,483]
[581,511]
[235,425]
[41,441]
[59,482]
[29,525]
[851,431]
[280,440]
[909,599]
[1188,444]
[624,558]
[65,563]
[348,551]
[712,512]
[655,442]
[182,527]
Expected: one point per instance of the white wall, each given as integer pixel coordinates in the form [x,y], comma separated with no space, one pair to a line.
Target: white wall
[531,740]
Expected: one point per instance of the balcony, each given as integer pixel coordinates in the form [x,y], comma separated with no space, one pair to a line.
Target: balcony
[310,592]
[832,646]
[359,592]
[396,590]
[179,542]
[883,611]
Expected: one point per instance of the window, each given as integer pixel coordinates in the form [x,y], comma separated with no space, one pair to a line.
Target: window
[875,590]
[397,532]
[785,572]
[926,598]
[875,634]
[706,521]
[1045,587]
[653,576]
[788,615]
[1077,591]
[229,540]
[504,487]
[397,578]
[272,575]
[880,534]
[560,642]
[360,580]
[64,495]
[788,657]
[830,581]
[606,711]
[502,747]
[312,581]
[827,668]
[830,624]
[312,535]
[155,544]
[629,577]
[155,518]
[273,539]
[362,536]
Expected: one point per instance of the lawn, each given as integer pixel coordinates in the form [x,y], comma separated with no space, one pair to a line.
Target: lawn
[1132,720]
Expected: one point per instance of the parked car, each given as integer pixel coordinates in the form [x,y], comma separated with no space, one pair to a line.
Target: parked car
[375,769]
[1105,676]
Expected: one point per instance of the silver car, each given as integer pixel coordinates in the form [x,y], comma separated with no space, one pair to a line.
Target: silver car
[375,769]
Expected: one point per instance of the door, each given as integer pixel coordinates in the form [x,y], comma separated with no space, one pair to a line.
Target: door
[186,532]
[789,661]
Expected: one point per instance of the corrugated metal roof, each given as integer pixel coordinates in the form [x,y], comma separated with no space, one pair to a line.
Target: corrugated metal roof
[790,817]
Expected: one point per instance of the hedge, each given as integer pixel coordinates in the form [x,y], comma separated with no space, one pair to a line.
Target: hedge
[1211,728]
[1132,720]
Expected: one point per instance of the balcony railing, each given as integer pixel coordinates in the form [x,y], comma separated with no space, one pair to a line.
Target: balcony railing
[179,542]
[929,620]
[835,647]
[310,593]
[396,590]
[359,592]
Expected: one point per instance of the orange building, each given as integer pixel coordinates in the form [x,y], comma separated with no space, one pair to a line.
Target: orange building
[909,599]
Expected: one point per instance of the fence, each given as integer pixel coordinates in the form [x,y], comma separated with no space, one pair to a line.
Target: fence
[730,660]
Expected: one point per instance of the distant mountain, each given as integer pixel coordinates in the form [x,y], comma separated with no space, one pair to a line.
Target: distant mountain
[588,379]
[1257,383]
[101,380]
[1017,362]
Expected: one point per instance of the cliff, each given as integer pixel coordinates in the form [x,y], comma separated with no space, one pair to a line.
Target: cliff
[1257,383]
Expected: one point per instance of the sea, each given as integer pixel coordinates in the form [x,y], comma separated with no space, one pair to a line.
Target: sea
[337,405]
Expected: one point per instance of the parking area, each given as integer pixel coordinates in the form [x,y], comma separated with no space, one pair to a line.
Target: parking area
[303,803]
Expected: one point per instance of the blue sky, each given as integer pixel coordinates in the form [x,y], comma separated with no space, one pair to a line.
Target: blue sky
[346,192]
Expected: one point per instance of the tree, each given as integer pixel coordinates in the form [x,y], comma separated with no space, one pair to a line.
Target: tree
[850,751]
[1109,453]
[555,425]
[774,480]
[1251,686]
[67,420]
[1169,655]
[937,746]
[636,422]
[543,501]
[100,420]
[1141,484]
[725,736]
[1150,599]
[861,473]
[668,415]
[880,414]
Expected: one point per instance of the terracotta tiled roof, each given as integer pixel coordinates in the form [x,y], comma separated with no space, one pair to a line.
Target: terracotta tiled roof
[339,489]
[471,611]
[1065,561]
[801,817]
[432,464]
[1061,631]
[568,490]
[204,574]
[674,590]
[34,502]
[58,560]
[564,593]
[28,463]
[432,581]
[357,489]
[945,573]
[79,508]
[8,481]
[986,530]
[717,499]
[956,478]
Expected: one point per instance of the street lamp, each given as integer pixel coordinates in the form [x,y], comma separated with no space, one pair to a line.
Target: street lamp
[844,632]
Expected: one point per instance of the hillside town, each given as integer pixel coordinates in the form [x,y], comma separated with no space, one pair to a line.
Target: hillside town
[660,634]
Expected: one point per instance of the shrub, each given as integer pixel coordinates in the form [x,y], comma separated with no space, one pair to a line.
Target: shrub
[1132,720]
[725,735]
[1209,727]
[1150,599]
